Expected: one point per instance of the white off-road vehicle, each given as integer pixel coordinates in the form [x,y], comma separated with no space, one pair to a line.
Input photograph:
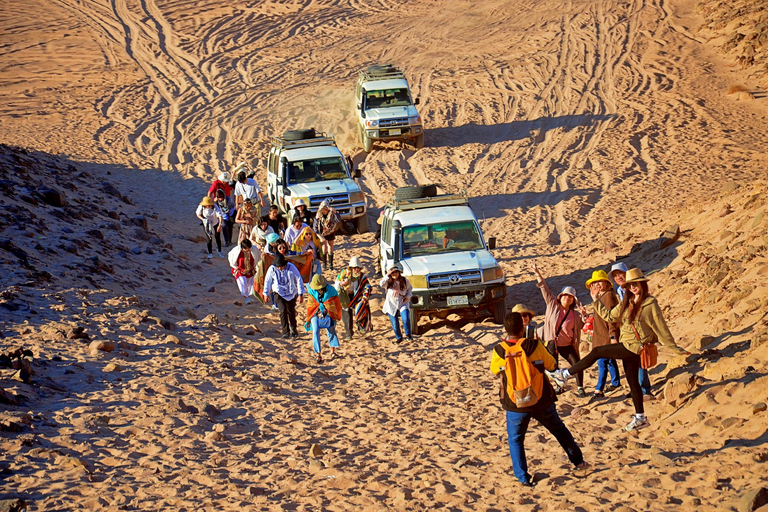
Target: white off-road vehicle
[307,165]
[385,109]
[437,242]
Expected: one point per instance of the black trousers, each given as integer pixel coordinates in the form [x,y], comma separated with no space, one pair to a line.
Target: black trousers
[226,230]
[288,315]
[629,359]
[217,235]
[570,354]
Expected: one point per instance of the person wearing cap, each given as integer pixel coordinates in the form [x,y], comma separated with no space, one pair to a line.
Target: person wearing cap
[618,273]
[354,291]
[397,301]
[323,311]
[527,314]
[246,218]
[206,212]
[294,230]
[300,209]
[244,269]
[247,188]
[222,183]
[225,207]
[271,247]
[284,281]
[642,322]
[604,333]
[327,223]
[562,324]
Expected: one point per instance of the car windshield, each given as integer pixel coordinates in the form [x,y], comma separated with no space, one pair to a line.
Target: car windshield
[441,238]
[317,169]
[387,98]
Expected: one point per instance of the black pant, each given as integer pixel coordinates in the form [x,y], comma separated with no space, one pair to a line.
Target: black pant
[348,314]
[210,238]
[631,362]
[226,230]
[570,354]
[288,315]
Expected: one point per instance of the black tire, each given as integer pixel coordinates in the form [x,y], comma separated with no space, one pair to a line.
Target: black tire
[418,142]
[499,312]
[416,192]
[380,69]
[291,135]
[361,224]
[414,321]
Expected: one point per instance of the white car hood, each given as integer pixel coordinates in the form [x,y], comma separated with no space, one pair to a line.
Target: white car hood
[448,262]
[324,187]
[391,112]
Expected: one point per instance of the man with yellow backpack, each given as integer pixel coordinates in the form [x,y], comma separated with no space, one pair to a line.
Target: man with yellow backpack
[526,393]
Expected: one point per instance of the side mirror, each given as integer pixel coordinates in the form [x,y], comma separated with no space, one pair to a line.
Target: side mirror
[492,242]
[390,254]
[359,106]
[416,101]
[278,181]
[358,173]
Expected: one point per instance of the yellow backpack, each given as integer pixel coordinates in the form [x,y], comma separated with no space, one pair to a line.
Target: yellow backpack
[522,385]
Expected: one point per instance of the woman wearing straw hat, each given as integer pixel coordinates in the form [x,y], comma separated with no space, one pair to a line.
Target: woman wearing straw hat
[641,323]
[397,302]
[323,311]
[604,333]
[527,314]
[353,284]
[562,324]
[211,224]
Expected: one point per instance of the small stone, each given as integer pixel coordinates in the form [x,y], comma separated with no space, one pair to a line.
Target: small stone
[725,211]
[216,437]
[701,415]
[316,451]
[753,500]
[103,345]
[110,189]
[76,332]
[705,341]
[759,407]
[661,459]
[760,456]
[136,250]
[677,387]
[233,397]
[186,408]
[669,237]
[7,398]
[13,505]
[730,187]
[636,445]
[53,196]
[730,422]
[288,358]
[211,410]
[316,465]
[182,352]
[173,339]
[113,367]
[212,289]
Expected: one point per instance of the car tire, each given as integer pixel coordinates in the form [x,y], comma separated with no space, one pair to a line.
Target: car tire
[499,312]
[292,135]
[418,142]
[418,192]
[367,143]
[361,224]
[414,321]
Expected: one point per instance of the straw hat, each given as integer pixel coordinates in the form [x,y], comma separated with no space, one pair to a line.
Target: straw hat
[634,275]
[318,282]
[597,275]
[620,266]
[522,308]
[567,290]
[354,261]
[207,202]
[392,267]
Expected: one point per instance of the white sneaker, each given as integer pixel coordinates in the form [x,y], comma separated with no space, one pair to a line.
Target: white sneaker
[636,424]
[247,300]
[209,256]
[220,255]
[274,307]
[558,378]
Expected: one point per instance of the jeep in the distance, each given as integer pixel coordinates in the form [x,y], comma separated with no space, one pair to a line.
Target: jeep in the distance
[385,109]
[437,243]
[305,164]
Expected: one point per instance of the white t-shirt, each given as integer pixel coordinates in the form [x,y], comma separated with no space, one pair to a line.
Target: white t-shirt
[248,189]
[292,233]
[209,214]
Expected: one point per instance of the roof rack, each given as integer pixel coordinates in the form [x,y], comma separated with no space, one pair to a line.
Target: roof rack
[320,139]
[392,73]
[458,199]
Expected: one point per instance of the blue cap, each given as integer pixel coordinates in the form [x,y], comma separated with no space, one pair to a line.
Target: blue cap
[618,266]
[272,238]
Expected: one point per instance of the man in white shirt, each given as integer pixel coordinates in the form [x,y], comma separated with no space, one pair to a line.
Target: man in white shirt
[284,279]
[247,188]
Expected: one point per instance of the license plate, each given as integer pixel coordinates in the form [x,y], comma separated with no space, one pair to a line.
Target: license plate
[395,132]
[458,300]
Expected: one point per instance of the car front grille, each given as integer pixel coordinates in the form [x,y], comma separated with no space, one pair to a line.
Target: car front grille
[398,122]
[335,199]
[448,279]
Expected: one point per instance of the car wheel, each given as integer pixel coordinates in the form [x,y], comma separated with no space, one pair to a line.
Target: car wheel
[419,141]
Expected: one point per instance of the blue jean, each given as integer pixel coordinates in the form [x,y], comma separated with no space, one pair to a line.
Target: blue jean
[323,323]
[405,314]
[517,426]
[645,381]
[604,366]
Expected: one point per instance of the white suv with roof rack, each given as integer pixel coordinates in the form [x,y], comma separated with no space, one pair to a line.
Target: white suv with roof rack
[307,165]
[437,243]
[386,110]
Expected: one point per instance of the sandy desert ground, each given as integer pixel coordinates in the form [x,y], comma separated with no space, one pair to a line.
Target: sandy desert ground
[583,130]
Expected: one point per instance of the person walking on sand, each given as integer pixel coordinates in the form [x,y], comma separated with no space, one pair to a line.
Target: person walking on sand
[397,301]
[222,183]
[543,410]
[246,218]
[604,333]
[562,324]
[212,222]
[247,188]
[327,223]
[225,207]
[244,269]
[294,230]
[354,291]
[283,279]
[618,273]
[323,311]
[528,323]
[642,323]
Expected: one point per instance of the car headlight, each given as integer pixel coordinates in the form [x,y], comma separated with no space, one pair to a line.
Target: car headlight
[372,123]
[493,274]
[414,120]
[356,197]
[418,281]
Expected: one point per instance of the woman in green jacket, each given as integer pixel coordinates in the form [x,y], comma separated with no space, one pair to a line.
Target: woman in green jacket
[641,323]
